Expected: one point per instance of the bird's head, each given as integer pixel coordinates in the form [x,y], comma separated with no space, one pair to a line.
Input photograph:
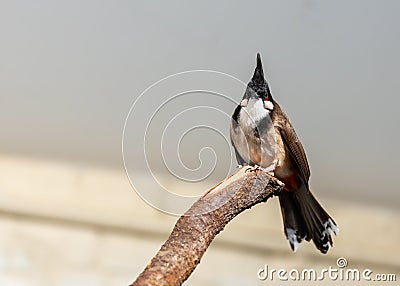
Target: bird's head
[258,83]
[258,86]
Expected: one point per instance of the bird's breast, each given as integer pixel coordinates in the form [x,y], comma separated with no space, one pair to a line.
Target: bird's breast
[254,135]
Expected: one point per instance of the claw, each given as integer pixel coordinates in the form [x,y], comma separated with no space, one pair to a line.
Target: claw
[249,169]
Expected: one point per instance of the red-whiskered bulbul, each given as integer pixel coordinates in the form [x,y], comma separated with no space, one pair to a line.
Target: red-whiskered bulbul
[263,136]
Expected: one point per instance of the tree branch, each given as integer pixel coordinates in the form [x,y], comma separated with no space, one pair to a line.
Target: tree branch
[195,230]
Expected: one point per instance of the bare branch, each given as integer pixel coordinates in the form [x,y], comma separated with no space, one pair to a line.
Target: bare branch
[195,230]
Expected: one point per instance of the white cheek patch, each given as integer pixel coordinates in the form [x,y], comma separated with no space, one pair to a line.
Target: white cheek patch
[244,102]
[268,105]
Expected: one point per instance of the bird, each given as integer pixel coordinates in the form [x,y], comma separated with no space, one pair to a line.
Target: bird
[263,136]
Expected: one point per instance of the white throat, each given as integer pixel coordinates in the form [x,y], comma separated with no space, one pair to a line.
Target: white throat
[254,111]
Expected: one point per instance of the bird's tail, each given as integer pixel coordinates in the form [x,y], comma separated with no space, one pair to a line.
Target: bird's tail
[304,218]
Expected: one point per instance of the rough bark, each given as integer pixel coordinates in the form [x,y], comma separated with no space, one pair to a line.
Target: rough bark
[195,230]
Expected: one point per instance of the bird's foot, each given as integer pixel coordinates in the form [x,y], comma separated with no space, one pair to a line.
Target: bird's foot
[270,169]
[250,168]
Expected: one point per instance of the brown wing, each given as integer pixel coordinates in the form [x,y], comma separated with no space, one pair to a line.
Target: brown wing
[290,139]
[296,149]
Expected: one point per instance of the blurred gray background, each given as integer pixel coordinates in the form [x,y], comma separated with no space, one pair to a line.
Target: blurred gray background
[70,71]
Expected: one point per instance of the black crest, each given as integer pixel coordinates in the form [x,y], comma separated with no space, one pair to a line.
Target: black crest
[258,82]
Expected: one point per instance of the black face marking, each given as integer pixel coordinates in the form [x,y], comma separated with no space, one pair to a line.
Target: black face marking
[235,115]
